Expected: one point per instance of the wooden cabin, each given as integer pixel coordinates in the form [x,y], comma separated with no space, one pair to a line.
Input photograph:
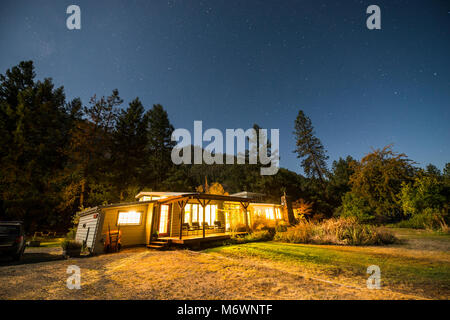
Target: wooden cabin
[159,218]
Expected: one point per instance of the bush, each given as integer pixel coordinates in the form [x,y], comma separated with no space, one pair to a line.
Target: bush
[343,231]
[68,244]
[429,218]
[261,223]
[240,227]
[356,206]
[256,236]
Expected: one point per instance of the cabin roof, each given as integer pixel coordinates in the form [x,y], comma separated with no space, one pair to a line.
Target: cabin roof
[159,193]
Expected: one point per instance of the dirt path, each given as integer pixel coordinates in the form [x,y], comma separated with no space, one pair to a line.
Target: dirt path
[145,274]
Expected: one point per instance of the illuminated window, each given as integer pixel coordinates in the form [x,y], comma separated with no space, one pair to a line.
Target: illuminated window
[129,218]
[210,214]
[187,213]
[278,213]
[269,214]
[194,213]
[200,214]
[164,217]
[213,214]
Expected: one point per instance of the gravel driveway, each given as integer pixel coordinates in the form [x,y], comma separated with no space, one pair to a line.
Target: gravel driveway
[140,273]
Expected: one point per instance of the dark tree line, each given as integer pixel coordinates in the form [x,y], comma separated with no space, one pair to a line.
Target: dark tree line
[59,156]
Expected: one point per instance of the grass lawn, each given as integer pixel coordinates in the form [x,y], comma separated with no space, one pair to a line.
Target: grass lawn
[420,265]
[418,268]
[51,243]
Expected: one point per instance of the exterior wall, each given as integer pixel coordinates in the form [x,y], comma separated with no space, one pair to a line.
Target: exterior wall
[253,208]
[131,234]
[174,217]
[88,228]
[148,224]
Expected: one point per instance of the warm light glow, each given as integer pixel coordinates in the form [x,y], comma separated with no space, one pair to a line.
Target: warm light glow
[129,218]
[278,213]
[194,213]
[269,214]
[163,219]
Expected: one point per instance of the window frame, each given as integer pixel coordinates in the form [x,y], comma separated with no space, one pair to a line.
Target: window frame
[141,213]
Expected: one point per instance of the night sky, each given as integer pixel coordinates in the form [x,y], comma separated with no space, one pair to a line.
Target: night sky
[236,63]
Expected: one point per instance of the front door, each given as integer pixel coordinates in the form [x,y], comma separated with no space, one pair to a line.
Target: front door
[163,229]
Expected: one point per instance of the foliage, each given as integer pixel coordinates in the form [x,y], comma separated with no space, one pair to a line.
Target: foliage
[256,236]
[309,148]
[356,206]
[425,192]
[215,188]
[339,182]
[34,128]
[67,244]
[343,231]
[159,146]
[429,218]
[301,209]
[375,184]
[58,157]
[128,161]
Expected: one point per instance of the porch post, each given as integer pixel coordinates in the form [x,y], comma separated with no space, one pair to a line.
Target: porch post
[152,222]
[204,224]
[181,204]
[245,206]
[203,204]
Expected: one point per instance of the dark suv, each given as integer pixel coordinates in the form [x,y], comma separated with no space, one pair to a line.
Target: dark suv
[12,239]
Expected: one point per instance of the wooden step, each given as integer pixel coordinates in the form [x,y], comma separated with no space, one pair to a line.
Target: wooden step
[155,246]
[159,242]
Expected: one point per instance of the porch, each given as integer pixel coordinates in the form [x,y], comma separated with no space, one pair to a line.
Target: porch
[199,217]
[194,239]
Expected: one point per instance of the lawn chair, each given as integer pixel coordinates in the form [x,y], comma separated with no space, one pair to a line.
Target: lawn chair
[218,226]
[195,227]
[186,227]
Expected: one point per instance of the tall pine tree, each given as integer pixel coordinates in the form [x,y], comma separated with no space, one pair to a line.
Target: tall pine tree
[159,146]
[309,148]
[129,150]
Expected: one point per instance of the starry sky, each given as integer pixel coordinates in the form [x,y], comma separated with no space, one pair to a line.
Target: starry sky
[234,63]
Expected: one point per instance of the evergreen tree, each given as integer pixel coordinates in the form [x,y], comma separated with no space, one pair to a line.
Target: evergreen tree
[432,170]
[128,157]
[90,152]
[34,129]
[309,148]
[159,145]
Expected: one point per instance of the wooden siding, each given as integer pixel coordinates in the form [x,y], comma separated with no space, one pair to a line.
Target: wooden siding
[131,234]
[148,222]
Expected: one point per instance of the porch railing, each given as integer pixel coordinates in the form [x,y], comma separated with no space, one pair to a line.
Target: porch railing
[196,229]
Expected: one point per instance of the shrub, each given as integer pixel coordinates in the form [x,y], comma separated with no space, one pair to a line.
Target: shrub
[256,236]
[240,227]
[429,218]
[356,206]
[281,226]
[343,231]
[71,245]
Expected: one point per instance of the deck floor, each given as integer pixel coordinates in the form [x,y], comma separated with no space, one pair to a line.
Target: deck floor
[186,239]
